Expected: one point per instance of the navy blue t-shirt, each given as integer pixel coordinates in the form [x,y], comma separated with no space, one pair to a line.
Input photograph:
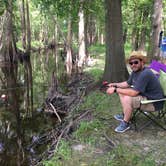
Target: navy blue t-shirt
[148,85]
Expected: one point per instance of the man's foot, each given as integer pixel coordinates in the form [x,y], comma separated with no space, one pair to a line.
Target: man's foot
[122,127]
[119,117]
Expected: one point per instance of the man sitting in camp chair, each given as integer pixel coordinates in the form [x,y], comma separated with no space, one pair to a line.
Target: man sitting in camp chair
[141,85]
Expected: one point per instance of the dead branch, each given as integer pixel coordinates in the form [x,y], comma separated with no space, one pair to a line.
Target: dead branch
[111,143]
[57,103]
[55,136]
[56,112]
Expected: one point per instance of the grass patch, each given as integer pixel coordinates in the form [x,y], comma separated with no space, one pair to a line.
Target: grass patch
[62,155]
[87,131]
[102,103]
[126,157]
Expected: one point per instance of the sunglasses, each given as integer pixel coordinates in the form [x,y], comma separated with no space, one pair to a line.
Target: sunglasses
[134,62]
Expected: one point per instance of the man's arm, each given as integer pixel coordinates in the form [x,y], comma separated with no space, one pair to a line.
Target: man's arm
[127,91]
[120,84]
[124,91]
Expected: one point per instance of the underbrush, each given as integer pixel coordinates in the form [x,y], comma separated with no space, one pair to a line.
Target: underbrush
[89,135]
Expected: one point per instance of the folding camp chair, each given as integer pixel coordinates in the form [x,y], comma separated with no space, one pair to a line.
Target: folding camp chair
[157,117]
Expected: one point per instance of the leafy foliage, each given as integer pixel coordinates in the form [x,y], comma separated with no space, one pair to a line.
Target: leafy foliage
[60,7]
[2,6]
[133,14]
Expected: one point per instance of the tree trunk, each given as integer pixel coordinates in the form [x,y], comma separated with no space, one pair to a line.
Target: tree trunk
[56,36]
[142,39]
[8,57]
[91,29]
[135,32]
[115,67]
[23,23]
[156,28]
[69,54]
[137,36]
[28,66]
[125,35]
[86,34]
[28,28]
[81,53]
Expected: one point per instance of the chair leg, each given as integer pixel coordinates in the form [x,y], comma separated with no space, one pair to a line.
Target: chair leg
[153,119]
[134,120]
[145,125]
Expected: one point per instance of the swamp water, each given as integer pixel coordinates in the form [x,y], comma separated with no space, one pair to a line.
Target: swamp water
[18,133]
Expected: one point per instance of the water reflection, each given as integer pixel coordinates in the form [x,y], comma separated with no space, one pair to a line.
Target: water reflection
[17,132]
[9,140]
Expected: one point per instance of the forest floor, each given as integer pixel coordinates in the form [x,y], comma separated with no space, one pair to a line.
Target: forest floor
[146,145]
[94,143]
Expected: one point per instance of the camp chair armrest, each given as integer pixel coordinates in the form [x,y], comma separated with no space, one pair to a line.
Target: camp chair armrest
[152,101]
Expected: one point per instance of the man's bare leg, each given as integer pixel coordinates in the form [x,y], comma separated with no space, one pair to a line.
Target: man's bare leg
[126,102]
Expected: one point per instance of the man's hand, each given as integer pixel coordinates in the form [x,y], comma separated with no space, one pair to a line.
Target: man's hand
[110,90]
[112,84]
[104,86]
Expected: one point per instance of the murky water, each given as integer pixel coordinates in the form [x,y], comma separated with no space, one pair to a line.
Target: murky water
[18,133]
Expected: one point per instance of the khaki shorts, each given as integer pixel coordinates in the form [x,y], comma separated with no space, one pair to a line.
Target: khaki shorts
[136,103]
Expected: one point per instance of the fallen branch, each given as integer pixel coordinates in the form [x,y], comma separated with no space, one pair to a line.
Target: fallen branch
[109,140]
[55,112]
[55,137]
[57,101]
[62,133]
